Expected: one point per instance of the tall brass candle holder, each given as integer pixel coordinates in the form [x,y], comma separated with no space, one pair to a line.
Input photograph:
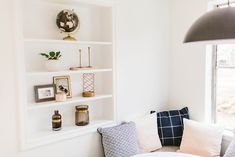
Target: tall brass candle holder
[80,58]
[80,61]
[89,57]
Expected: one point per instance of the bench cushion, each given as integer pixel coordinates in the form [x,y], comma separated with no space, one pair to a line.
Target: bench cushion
[168,149]
[165,154]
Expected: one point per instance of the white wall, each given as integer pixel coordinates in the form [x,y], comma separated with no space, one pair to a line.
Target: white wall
[8,127]
[142,66]
[187,61]
[142,42]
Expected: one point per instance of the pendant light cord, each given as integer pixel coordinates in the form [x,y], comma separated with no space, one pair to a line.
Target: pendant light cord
[228,3]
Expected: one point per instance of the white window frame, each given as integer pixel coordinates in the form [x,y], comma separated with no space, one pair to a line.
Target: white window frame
[213,4]
[214,85]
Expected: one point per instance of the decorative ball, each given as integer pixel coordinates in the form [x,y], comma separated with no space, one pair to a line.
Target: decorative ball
[67,21]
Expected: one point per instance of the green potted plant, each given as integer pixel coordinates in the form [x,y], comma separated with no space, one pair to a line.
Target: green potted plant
[53,60]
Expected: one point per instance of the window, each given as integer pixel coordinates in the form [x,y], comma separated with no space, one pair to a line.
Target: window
[223,82]
[225,85]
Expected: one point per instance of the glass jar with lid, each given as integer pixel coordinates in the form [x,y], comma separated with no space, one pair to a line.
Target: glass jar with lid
[81,115]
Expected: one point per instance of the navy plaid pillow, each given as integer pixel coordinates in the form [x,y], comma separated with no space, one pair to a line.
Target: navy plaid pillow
[170,126]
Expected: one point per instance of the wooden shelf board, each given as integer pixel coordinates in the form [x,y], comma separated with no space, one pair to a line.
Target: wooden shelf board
[35,106]
[54,41]
[67,132]
[69,72]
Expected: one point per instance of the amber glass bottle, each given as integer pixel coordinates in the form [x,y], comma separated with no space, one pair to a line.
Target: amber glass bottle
[56,121]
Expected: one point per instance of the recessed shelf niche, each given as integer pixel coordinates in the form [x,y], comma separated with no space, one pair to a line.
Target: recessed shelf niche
[40,34]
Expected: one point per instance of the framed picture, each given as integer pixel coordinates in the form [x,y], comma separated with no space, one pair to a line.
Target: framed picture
[45,92]
[63,84]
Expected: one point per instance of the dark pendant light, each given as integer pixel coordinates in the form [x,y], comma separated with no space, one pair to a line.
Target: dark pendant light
[215,25]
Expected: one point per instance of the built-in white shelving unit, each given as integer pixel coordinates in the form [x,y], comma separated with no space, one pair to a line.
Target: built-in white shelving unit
[39,33]
[46,136]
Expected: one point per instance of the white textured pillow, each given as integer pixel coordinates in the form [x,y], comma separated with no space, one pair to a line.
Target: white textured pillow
[147,133]
[201,139]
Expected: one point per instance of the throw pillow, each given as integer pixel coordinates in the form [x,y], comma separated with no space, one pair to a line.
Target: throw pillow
[201,139]
[147,135]
[230,152]
[170,126]
[120,141]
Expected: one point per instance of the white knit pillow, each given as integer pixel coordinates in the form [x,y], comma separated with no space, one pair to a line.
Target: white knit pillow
[147,133]
[201,139]
[230,152]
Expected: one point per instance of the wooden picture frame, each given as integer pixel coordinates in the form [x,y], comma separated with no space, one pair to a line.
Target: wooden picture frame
[45,93]
[63,84]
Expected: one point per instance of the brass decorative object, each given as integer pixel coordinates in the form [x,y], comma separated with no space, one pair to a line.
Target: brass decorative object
[88,94]
[88,85]
[80,61]
[81,115]
[80,58]
[63,84]
[89,57]
[69,38]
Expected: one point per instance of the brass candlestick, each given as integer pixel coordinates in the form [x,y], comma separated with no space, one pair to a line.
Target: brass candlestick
[80,62]
[80,58]
[89,57]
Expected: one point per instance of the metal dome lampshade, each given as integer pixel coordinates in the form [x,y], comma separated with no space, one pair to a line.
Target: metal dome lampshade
[215,25]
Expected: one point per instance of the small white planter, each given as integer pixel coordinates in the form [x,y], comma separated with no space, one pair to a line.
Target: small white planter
[53,65]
